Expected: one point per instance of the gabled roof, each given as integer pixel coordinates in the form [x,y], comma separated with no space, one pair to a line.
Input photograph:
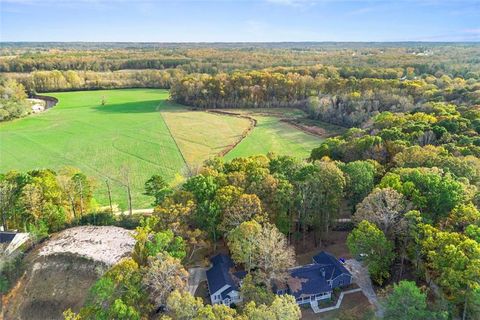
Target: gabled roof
[219,274]
[225,293]
[222,259]
[6,236]
[333,267]
[307,280]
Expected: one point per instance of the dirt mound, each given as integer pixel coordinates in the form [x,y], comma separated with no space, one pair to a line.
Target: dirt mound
[61,271]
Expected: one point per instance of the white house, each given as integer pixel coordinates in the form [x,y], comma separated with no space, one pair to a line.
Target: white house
[308,284]
[223,283]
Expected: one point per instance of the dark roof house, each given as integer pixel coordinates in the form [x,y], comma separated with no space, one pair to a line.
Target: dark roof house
[308,284]
[223,282]
[316,281]
[326,259]
[307,280]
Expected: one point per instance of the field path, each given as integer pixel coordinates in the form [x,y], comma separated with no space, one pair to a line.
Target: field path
[176,143]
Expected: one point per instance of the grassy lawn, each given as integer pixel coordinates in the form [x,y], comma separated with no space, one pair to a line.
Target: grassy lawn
[273,135]
[354,305]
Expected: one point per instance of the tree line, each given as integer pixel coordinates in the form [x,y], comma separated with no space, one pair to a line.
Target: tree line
[322,92]
[353,59]
[47,81]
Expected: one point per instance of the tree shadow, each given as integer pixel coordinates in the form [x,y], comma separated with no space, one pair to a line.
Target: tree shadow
[147,106]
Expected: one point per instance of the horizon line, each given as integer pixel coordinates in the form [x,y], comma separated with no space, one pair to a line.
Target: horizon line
[243,42]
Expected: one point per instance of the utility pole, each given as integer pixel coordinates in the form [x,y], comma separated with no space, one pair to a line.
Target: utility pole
[129,199]
[126,180]
[109,195]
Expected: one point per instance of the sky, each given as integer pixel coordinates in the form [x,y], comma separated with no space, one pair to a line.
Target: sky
[239,20]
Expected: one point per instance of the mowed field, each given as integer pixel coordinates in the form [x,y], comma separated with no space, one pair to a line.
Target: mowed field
[137,133]
[128,135]
[273,135]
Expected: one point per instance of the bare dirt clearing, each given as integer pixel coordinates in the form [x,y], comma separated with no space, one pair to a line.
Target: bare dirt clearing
[61,271]
[104,244]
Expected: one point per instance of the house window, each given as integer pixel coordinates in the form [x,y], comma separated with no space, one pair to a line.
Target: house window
[340,283]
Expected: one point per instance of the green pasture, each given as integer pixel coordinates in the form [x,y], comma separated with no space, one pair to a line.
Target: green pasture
[136,134]
[273,135]
[126,137]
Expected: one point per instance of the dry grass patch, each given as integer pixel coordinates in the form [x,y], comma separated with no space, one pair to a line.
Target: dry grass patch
[201,135]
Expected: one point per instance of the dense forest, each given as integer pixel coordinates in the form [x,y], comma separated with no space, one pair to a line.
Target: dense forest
[433,58]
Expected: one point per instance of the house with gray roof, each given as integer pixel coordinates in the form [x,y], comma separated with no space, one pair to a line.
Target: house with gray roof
[223,282]
[308,284]
[316,281]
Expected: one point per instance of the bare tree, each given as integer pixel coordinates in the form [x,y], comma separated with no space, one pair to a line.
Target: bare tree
[386,209]
[66,184]
[274,255]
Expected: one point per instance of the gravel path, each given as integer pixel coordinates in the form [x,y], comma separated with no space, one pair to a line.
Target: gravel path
[134,211]
[362,279]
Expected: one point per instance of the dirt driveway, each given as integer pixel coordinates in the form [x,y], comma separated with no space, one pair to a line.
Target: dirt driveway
[362,279]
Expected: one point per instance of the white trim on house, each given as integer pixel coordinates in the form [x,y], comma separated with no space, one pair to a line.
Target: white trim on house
[216,297]
[314,297]
[232,297]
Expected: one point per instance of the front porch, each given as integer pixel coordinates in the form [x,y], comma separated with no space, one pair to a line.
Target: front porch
[314,298]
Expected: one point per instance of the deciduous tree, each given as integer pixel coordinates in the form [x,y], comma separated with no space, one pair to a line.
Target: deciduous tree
[163,275]
[367,241]
[386,209]
[406,301]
